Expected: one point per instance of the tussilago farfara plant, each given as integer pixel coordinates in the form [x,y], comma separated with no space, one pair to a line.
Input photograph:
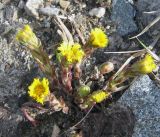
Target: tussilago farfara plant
[67,75]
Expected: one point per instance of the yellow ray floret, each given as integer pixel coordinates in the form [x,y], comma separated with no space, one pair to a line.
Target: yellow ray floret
[98,38]
[144,66]
[71,53]
[39,90]
[27,37]
[99,96]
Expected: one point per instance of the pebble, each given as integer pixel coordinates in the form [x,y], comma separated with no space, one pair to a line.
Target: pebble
[64,4]
[50,11]
[98,12]
[32,7]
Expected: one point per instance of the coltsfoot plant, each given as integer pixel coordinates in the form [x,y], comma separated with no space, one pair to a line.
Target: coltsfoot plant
[65,74]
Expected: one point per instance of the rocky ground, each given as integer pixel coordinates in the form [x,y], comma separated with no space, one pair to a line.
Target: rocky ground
[135,114]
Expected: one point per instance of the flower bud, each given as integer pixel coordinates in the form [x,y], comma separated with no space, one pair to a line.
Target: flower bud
[99,96]
[144,66]
[83,90]
[27,37]
[106,67]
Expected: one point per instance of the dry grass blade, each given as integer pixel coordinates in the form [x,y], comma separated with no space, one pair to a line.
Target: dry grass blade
[120,88]
[63,36]
[151,46]
[128,61]
[152,12]
[124,65]
[82,118]
[149,51]
[65,30]
[74,126]
[124,52]
[157,79]
[79,33]
[147,27]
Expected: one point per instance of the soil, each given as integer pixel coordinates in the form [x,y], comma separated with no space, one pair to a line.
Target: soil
[17,70]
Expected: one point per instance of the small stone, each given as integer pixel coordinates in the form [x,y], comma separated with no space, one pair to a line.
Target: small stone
[32,7]
[55,131]
[144,99]
[21,4]
[122,14]
[106,67]
[98,12]
[1,6]
[50,11]
[64,4]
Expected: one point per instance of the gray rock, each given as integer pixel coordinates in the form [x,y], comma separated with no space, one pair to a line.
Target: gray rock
[98,12]
[122,14]
[32,7]
[143,18]
[115,121]
[9,123]
[50,11]
[143,97]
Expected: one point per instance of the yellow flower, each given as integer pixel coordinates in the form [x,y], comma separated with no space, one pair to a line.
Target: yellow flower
[99,96]
[144,66]
[39,90]
[71,53]
[78,53]
[27,37]
[98,38]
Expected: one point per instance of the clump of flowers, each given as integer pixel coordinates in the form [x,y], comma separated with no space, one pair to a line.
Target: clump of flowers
[39,90]
[27,37]
[66,74]
[98,38]
[70,54]
[141,67]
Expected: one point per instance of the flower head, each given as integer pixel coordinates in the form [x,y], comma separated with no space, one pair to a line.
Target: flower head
[99,96]
[144,66]
[71,53]
[98,38]
[27,37]
[39,90]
